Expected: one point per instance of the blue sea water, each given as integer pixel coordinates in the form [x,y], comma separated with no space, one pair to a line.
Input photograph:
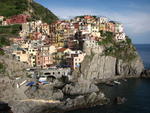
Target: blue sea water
[136,91]
[144,51]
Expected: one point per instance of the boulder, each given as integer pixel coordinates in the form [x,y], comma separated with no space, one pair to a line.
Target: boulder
[80,87]
[120,100]
[145,74]
[45,92]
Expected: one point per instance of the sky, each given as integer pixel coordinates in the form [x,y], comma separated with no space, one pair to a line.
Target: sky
[134,14]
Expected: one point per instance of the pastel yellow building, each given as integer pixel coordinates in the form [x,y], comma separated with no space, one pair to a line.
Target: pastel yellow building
[21,55]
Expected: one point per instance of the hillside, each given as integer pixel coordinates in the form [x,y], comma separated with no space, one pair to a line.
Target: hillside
[37,11]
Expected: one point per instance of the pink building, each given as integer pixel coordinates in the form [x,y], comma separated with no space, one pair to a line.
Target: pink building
[44,58]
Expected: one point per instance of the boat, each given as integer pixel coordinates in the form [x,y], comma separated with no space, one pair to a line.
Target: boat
[117,82]
[125,80]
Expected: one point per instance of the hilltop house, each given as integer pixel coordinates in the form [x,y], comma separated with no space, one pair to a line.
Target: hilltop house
[120,36]
[110,26]
[119,28]
[103,20]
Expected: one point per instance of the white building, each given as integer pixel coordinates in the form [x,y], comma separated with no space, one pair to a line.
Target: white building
[1,18]
[87,30]
[119,28]
[77,60]
[120,36]
[56,72]
[95,31]
[90,43]
[103,20]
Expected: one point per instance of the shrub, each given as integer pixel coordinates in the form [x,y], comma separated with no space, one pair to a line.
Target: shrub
[2,68]
[10,30]
[4,41]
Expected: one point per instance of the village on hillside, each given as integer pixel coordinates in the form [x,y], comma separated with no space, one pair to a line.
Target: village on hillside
[58,48]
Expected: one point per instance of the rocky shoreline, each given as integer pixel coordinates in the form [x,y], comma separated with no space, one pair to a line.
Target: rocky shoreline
[81,91]
[76,100]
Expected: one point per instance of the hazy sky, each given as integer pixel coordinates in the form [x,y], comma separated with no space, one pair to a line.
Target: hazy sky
[134,14]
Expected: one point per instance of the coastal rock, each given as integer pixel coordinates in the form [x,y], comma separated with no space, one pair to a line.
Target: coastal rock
[133,68]
[96,98]
[120,100]
[74,103]
[145,74]
[45,92]
[86,100]
[14,68]
[91,98]
[107,67]
[98,67]
[80,87]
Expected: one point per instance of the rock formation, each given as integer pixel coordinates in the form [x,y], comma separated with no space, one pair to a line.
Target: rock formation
[98,66]
[80,87]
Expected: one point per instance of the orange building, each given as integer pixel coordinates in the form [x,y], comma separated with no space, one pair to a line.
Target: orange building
[110,26]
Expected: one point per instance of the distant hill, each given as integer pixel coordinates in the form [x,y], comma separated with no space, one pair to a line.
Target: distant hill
[37,11]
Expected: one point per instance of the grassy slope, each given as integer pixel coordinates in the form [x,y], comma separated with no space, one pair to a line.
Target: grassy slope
[15,7]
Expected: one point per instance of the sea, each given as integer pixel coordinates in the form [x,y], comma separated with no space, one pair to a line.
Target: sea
[136,91]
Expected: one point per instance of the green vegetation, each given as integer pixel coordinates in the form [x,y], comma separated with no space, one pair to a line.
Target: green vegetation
[14,7]
[40,12]
[122,50]
[4,41]
[11,30]
[108,38]
[2,52]
[2,68]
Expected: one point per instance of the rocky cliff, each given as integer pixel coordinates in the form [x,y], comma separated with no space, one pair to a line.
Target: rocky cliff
[109,61]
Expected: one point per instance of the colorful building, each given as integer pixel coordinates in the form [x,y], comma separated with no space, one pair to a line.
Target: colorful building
[119,28]
[110,26]
[75,59]
[18,19]
[44,57]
